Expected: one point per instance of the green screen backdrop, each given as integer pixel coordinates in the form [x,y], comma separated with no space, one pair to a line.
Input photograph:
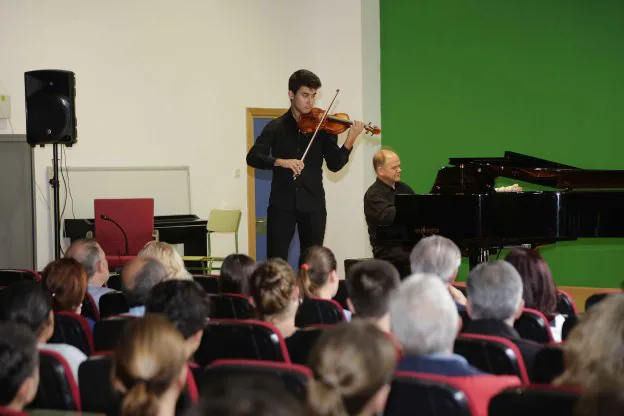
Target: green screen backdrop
[475,78]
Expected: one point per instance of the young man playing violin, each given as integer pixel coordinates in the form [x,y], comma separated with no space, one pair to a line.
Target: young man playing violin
[297,194]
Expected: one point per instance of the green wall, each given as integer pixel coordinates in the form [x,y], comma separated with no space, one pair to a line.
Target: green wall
[475,78]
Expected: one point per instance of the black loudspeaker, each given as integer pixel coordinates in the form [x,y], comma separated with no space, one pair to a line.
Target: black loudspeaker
[50,107]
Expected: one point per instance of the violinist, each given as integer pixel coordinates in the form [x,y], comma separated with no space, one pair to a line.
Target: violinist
[298,201]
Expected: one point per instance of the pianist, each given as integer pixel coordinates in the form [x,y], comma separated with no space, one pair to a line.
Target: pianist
[379,210]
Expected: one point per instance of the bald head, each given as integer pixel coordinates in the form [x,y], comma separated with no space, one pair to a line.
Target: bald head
[387,166]
[139,276]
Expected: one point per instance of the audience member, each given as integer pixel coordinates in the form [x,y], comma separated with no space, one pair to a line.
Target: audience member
[187,307]
[19,369]
[149,367]
[598,403]
[494,303]
[235,272]
[371,285]
[245,395]
[425,322]
[28,304]
[66,281]
[539,291]
[167,255]
[138,277]
[90,255]
[353,365]
[440,256]
[317,274]
[593,352]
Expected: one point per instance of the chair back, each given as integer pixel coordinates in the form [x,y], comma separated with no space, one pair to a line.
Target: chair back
[565,304]
[318,311]
[57,388]
[106,332]
[432,397]
[294,377]
[99,396]
[253,340]
[533,325]
[494,355]
[300,344]
[230,306]
[568,326]
[73,329]
[114,282]
[548,364]
[342,294]
[595,299]
[113,303]
[10,276]
[223,221]
[210,284]
[534,401]
[89,308]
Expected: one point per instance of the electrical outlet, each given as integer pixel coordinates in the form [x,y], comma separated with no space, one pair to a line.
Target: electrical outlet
[5,106]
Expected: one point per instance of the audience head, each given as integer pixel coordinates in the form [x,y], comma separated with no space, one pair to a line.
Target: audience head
[19,372]
[353,365]
[387,166]
[92,258]
[187,307]
[593,352]
[168,257]
[495,292]
[317,272]
[245,395]
[149,366]
[235,272]
[436,255]
[139,276]
[371,284]
[274,290]
[28,304]
[539,288]
[66,281]
[423,315]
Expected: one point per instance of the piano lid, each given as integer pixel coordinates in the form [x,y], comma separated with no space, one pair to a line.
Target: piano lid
[477,175]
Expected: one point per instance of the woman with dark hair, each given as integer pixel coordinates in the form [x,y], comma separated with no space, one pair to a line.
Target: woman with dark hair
[539,290]
[235,272]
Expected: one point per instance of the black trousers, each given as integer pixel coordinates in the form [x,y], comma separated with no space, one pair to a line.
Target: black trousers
[281,228]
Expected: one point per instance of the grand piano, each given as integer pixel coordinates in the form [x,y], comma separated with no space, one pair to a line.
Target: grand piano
[189,230]
[464,206]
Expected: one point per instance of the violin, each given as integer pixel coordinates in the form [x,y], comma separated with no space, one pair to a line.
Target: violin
[334,124]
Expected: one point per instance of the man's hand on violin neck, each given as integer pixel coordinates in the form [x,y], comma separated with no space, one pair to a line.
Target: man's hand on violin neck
[356,129]
[295,165]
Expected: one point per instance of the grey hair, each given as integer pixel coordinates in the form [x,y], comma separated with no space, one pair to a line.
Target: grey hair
[424,318]
[150,273]
[87,252]
[437,255]
[494,290]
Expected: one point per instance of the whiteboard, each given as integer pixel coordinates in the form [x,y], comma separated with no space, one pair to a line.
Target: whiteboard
[169,186]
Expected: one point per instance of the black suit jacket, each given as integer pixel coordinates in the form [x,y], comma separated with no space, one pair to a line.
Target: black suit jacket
[497,328]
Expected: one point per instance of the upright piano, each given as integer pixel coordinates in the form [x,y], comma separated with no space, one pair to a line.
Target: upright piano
[464,206]
[189,230]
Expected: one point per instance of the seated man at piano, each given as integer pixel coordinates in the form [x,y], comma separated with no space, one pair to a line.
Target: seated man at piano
[389,240]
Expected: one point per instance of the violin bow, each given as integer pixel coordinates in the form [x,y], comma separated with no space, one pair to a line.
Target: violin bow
[318,126]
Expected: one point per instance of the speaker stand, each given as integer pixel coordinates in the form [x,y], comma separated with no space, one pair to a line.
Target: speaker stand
[54,183]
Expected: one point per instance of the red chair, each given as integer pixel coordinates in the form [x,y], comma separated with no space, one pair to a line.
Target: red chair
[533,325]
[57,388]
[210,284]
[319,311]
[565,304]
[294,376]
[244,339]
[230,306]
[134,216]
[107,331]
[548,364]
[534,401]
[73,329]
[89,308]
[494,355]
[10,276]
[113,303]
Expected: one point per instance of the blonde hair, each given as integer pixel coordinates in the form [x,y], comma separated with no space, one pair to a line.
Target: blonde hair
[351,362]
[148,359]
[594,351]
[271,286]
[169,257]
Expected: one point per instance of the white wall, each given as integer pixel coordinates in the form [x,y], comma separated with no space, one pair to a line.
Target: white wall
[166,83]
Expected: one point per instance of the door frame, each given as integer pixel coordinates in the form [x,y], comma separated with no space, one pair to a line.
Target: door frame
[250,114]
